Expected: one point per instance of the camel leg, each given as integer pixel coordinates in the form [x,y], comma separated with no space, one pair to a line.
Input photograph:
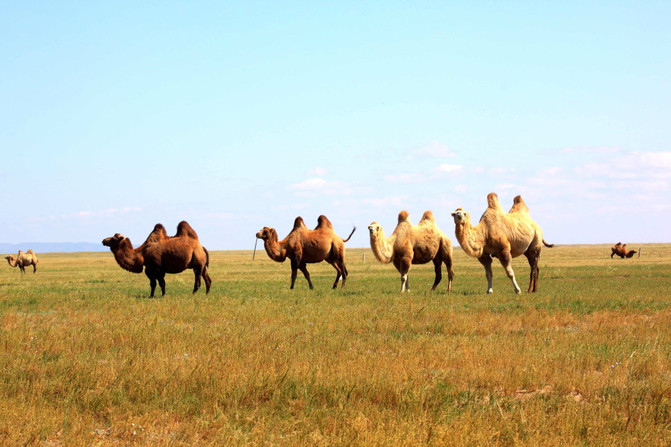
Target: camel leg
[152,282]
[486,261]
[294,273]
[22,268]
[450,273]
[533,257]
[506,261]
[196,282]
[404,268]
[34,268]
[437,264]
[161,283]
[343,269]
[303,268]
[208,281]
[339,272]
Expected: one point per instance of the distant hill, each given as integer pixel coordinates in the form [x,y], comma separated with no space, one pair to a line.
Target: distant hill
[51,247]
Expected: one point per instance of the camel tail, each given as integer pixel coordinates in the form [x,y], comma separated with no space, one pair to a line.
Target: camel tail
[350,235]
[207,257]
[548,245]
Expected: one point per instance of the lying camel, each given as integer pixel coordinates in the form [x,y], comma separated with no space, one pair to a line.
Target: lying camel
[161,254]
[413,244]
[504,236]
[620,250]
[23,260]
[303,246]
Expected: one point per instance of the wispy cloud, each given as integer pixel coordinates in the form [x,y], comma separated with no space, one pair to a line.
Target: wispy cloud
[446,167]
[314,186]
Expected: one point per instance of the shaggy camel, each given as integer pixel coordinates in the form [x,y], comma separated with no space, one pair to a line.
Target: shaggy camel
[620,249]
[161,254]
[23,260]
[303,246]
[413,244]
[504,236]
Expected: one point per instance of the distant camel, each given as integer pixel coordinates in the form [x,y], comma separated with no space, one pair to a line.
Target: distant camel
[413,244]
[161,254]
[303,246]
[23,260]
[620,249]
[502,235]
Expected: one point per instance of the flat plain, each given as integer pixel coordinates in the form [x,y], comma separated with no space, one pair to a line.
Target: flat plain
[87,358]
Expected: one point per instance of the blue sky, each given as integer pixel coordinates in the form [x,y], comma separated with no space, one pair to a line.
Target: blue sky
[239,115]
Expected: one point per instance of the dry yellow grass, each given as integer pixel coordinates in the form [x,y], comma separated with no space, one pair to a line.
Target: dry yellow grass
[88,359]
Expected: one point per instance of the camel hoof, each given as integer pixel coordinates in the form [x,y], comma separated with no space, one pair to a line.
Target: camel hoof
[490,291]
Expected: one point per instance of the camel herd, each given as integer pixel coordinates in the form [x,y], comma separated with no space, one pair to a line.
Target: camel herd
[498,234]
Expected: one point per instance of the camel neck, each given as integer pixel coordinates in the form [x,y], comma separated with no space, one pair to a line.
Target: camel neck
[128,258]
[381,247]
[274,250]
[469,239]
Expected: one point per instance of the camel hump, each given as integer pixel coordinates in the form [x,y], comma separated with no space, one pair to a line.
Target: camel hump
[299,223]
[618,244]
[30,251]
[428,215]
[493,201]
[184,229]
[323,222]
[403,216]
[157,234]
[519,206]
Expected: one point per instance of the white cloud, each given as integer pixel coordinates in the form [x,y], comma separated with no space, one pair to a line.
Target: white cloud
[317,185]
[446,167]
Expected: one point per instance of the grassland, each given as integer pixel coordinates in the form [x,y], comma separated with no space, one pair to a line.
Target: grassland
[87,358]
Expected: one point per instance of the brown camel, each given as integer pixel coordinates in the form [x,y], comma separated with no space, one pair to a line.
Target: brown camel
[161,254]
[303,246]
[504,236]
[620,250]
[413,244]
[23,260]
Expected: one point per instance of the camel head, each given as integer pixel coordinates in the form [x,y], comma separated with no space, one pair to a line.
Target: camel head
[374,229]
[10,259]
[267,234]
[461,217]
[113,242]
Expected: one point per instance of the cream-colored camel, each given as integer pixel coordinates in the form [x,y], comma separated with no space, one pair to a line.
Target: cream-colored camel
[413,244]
[161,254]
[504,236]
[303,246]
[23,260]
